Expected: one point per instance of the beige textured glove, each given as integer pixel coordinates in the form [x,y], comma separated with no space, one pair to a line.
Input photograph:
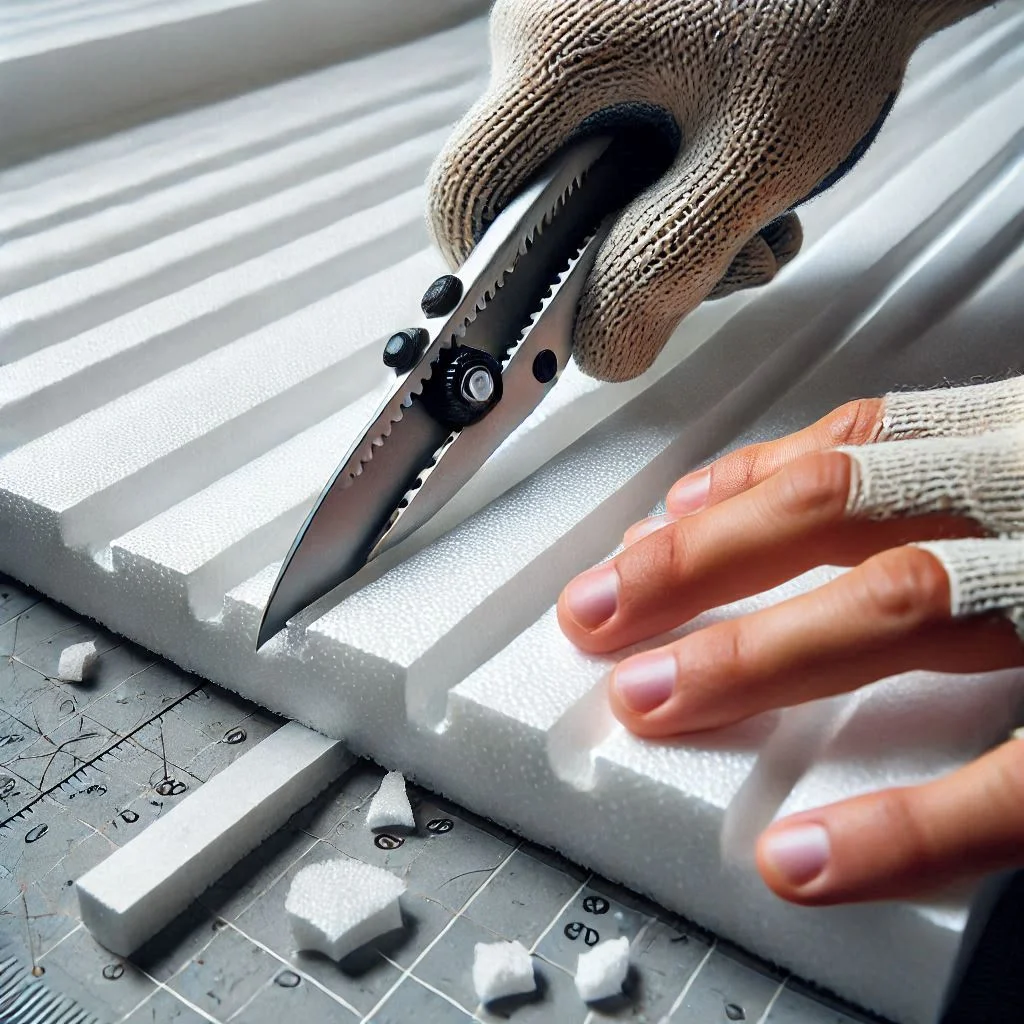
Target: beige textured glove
[771,100]
[958,451]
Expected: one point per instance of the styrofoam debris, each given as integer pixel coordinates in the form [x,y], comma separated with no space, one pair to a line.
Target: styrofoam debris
[337,906]
[390,807]
[76,662]
[601,971]
[502,969]
[138,889]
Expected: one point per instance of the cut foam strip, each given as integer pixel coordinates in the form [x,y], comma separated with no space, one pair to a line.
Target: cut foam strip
[601,971]
[502,969]
[77,662]
[141,887]
[390,806]
[338,906]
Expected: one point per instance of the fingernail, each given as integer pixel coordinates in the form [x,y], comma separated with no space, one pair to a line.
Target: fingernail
[799,853]
[690,494]
[593,597]
[646,527]
[646,681]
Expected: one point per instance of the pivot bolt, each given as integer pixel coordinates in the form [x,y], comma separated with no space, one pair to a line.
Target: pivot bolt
[478,385]
[404,348]
[442,296]
[464,387]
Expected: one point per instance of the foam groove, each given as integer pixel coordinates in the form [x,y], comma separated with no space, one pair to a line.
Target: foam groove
[55,309]
[288,172]
[178,384]
[191,54]
[56,384]
[163,154]
[217,538]
[255,392]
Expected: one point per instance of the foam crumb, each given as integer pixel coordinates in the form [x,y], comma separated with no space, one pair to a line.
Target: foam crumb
[502,969]
[602,970]
[390,807]
[337,906]
[77,662]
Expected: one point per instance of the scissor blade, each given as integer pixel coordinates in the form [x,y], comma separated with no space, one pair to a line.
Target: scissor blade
[504,281]
[467,451]
[350,515]
[488,274]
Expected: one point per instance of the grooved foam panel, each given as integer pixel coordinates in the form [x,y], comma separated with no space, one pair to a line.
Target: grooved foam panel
[191,315]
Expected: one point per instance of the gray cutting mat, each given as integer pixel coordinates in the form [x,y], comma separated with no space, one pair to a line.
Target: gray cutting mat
[84,767]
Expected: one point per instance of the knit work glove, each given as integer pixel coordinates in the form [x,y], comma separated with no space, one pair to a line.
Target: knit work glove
[770,101]
[958,451]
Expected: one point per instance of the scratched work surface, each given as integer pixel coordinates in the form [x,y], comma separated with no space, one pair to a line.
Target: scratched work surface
[84,767]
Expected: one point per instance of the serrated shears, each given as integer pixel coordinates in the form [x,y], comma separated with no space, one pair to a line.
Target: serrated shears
[495,337]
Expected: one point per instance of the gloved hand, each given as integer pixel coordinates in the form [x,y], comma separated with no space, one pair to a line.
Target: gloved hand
[771,101]
[963,455]
[923,494]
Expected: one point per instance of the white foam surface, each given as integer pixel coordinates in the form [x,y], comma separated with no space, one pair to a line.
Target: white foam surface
[143,885]
[337,906]
[601,971]
[74,74]
[390,806]
[192,341]
[502,969]
[77,662]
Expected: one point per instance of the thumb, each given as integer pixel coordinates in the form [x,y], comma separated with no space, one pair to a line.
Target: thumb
[675,244]
[762,257]
[537,101]
[905,842]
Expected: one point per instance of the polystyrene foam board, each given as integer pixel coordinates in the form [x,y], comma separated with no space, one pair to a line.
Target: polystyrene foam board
[204,405]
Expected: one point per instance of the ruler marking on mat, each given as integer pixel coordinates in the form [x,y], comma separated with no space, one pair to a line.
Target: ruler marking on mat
[27,809]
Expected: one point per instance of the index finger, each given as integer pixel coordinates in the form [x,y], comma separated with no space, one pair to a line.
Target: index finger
[856,423]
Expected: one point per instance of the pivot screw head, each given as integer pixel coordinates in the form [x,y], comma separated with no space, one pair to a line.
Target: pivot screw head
[404,348]
[478,385]
[465,386]
[442,296]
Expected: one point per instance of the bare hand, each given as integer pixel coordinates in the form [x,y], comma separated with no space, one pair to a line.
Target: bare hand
[768,513]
